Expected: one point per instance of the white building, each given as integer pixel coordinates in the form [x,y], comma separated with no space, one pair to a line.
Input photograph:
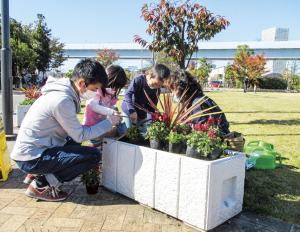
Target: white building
[275,34]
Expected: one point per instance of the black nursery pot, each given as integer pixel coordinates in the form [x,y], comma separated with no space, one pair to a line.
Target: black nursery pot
[192,152]
[177,147]
[215,154]
[92,189]
[156,144]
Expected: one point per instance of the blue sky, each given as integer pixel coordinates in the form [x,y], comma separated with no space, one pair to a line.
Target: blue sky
[100,21]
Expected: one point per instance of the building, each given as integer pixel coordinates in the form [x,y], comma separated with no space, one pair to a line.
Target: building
[275,34]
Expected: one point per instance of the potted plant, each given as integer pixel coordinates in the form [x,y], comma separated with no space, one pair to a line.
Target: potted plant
[205,144]
[133,135]
[91,179]
[157,133]
[31,94]
[177,138]
[176,142]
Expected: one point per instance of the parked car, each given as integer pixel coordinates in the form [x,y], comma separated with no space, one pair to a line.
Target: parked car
[215,84]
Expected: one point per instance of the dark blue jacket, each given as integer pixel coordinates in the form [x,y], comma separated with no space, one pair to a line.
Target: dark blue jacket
[135,96]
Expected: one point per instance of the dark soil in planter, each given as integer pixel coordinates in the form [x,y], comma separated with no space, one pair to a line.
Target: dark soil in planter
[93,189]
[178,148]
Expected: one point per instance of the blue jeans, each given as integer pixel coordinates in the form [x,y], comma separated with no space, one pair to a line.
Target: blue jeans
[65,163]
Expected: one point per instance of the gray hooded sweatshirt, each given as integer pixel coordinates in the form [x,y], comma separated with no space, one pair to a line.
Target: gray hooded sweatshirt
[52,118]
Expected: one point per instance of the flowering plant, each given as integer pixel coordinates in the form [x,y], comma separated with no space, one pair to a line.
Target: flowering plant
[91,177]
[133,134]
[205,142]
[206,137]
[175,137]
[31,94]
[157,131]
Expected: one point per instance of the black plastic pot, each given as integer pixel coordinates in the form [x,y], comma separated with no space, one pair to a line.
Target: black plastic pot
[177,147]
[215,154]
[156,144]
[92,189]
[192,152]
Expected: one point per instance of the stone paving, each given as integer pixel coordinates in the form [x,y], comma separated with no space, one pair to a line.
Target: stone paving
[104,211]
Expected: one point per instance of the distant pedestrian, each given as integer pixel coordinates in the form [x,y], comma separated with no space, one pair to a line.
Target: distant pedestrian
[246,84]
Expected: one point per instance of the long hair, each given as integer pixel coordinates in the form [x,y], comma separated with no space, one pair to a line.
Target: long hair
[182,81]
[117,78]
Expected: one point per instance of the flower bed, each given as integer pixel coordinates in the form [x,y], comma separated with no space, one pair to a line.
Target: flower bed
[202,193]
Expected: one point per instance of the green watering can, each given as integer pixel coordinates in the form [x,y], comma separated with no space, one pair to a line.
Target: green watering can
[251,146]
[264,155]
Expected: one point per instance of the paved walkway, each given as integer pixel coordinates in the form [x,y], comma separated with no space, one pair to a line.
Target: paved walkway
[104,211]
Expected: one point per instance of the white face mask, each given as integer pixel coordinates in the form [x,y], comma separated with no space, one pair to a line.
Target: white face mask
[88,95]
[176,98]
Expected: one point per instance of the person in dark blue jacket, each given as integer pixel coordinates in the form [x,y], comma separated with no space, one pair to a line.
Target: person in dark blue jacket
[182,81]
[135,97]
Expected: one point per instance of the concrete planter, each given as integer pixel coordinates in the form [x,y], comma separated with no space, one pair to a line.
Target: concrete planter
[21,112]
[201,193]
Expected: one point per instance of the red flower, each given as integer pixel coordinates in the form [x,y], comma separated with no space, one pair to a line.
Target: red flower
[155,116]
[211,121]
[197,127]
[205,127]
[212,134]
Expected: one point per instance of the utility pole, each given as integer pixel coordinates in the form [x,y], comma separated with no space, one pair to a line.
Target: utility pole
[6,72]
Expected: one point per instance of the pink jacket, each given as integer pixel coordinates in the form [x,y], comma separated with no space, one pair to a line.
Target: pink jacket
[99,107]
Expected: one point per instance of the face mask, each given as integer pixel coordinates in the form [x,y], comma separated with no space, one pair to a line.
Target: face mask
[176,98]
[88,95]
[110,91]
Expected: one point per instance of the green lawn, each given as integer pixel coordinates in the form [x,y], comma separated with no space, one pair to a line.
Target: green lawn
[274,118]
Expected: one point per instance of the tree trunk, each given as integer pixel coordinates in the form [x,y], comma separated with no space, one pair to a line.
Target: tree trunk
[182,64]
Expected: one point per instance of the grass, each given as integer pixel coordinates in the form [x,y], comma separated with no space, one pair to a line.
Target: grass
[274,118]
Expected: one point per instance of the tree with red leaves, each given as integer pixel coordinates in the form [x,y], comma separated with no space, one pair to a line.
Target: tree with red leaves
[248,65]
[177,28]
[107,57]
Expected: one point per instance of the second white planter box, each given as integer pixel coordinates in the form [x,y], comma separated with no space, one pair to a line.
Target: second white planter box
[21,112]
[202,193]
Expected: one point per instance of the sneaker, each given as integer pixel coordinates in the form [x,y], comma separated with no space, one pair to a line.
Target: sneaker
[29,178]
[47,193]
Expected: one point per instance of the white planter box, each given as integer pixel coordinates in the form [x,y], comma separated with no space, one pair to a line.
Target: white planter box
[21,112]
[201,193]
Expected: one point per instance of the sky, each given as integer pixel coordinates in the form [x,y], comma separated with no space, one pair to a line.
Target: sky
[112,21]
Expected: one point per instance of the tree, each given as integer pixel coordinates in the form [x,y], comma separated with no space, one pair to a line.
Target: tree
[23,55]
[203,71]
[248,65]
[162,58]
[57,53]
[33,48]
[291,77]
[177,28]
[69,73]
[107,57]
[41,44]
[230,76]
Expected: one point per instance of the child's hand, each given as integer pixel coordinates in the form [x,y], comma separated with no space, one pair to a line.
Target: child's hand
[115,119]
[133,117]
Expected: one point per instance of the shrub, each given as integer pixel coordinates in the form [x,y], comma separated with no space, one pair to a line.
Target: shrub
[272,83]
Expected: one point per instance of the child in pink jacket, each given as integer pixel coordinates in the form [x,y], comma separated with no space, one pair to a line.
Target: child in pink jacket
[103,103]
